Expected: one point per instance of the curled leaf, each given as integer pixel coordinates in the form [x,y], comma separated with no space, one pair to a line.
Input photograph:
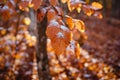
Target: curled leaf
[69,22]
[79,25]
[88,10]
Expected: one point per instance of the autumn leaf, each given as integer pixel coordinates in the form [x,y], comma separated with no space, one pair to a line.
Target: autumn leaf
[36,3]
[97,5]
[51,14]
[23,5]
[69,22]
[79,25]
[60,37]
[88,10]
[53,2]
[59,11]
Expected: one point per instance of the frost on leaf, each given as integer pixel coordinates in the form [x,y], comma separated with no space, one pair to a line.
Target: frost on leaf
[59,37]
[87,9]
[51,14]
[73,50]
[64,28]
[75,4]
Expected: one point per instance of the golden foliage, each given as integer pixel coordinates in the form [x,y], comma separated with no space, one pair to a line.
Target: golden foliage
[79,25]
[97,5]
[69,22]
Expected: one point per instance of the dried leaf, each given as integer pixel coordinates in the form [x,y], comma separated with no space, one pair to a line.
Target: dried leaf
[59,36]
[53,2]
[69,22]
[51,14]
[79,25]
[97,5]
[36,3]
[87,10]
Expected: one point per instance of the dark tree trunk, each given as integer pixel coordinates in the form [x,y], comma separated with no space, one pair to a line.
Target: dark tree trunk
[42,58]
[116,8]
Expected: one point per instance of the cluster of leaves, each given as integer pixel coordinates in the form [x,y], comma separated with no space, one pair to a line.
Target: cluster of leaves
[16,49]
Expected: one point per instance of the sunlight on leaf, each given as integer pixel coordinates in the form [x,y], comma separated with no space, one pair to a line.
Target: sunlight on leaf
[97,5]
[79,25]
[69,22]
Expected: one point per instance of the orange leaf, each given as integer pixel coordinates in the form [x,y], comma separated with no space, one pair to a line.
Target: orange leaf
[37,3]
[23,5]
[51,15]
[79,25]
[87,10]
[69,22]
[97,5]
[53,2]
[60,37]
[52,29]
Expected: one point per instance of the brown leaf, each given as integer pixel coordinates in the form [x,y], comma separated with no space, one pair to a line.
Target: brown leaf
[60,37]
[53,2]
[51,14]
[36,3]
